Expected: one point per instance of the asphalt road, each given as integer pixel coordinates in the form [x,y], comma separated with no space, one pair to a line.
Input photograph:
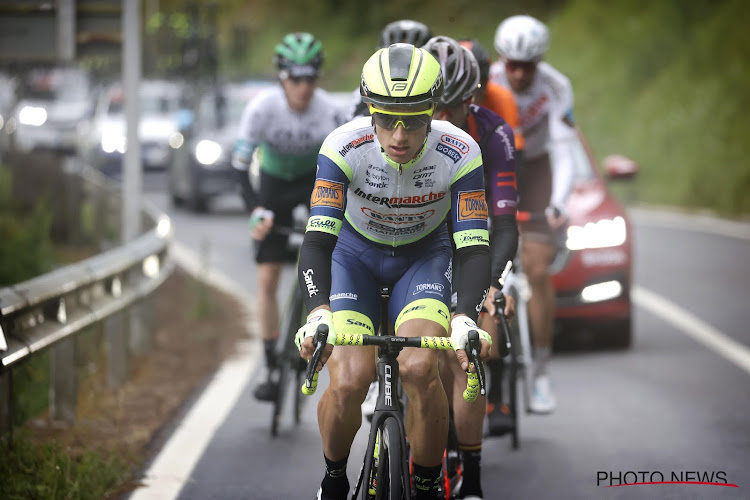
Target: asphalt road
[673,407]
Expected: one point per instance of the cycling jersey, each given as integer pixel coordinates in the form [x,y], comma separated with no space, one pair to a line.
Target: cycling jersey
[495,138]
[500,100]
[288,141]
[396,204]
[546,115]
[400,210]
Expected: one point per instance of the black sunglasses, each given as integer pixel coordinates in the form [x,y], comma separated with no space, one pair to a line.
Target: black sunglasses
[409,121]
[305,79]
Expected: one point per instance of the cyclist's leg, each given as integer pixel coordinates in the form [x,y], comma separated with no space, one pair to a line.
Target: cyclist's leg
[423,297]
[537,252]
[354,300]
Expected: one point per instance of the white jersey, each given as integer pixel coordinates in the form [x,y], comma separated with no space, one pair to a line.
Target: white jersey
[545,112]
[396,204]
[289,140]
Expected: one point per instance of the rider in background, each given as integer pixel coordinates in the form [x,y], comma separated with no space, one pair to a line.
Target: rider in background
[501,100]
[287,125]
[545,104]
[495,97]
[401,31]
[385,187]
[495,138]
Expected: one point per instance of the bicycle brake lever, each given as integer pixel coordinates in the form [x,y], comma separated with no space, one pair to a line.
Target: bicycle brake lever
[499,301]
[473,348]
[320,339]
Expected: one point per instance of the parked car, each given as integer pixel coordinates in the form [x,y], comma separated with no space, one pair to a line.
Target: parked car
[102,140]
[593,272]
[202,170]
[8,85]
[52,103]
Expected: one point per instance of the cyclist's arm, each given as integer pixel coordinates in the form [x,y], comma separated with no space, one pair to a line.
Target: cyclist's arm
[470,235]
[327,206]
[562,136]
[248,138]
[498,154]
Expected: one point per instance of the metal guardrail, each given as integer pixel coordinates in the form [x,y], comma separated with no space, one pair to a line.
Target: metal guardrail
[46,311]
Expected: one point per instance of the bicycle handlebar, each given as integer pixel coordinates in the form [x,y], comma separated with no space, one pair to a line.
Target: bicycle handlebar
[475,384]
[499,302]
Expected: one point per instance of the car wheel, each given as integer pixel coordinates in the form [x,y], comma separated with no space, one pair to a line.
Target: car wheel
[621,334]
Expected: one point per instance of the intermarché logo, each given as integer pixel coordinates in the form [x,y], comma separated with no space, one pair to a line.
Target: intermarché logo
[610,479]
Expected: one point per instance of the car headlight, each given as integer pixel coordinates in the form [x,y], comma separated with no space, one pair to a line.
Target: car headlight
[207,152]
[32,115]
[113,141]
[601,234]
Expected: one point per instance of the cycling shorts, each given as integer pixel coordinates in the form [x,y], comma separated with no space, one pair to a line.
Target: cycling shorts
[534,192]
[419,276]
[281,196]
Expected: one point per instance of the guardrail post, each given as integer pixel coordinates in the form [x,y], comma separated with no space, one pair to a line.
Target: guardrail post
[116,348]
[63,394]
[6,402]
[141,326]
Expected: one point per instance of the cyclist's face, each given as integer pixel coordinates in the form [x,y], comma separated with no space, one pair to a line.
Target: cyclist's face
[299,91]
[520,74]
[399,143]
[457,115]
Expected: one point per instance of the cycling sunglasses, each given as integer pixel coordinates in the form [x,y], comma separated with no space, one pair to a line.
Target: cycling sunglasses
[389,120]
[305,79]
[526,66]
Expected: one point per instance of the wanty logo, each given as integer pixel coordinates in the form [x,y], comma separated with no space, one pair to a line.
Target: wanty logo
[397,218]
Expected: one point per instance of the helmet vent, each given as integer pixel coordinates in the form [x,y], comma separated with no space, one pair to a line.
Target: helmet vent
[399,61]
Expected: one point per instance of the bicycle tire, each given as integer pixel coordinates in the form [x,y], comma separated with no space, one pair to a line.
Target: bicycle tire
[388,465]
[513,389]
[287,358]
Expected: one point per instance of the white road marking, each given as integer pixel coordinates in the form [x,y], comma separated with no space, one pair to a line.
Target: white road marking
[171,469]
[699,330]
[703,223]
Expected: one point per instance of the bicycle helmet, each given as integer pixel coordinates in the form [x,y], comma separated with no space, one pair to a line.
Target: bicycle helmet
[482,56]
[404,31]
[522,38]
[299,54]
[401,75]
[460,69]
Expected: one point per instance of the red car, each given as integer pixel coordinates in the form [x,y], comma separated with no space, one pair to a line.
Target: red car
[593,273]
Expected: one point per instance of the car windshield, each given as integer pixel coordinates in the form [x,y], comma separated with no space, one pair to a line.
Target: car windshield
[57,86]
[225,109]
[158,104]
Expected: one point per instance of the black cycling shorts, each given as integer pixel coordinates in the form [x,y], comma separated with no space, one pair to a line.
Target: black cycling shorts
[281,196]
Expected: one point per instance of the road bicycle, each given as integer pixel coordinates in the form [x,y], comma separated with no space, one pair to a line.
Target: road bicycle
[385,471]
[512,362]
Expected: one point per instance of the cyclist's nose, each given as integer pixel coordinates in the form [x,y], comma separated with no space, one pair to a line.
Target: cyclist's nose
[399,133]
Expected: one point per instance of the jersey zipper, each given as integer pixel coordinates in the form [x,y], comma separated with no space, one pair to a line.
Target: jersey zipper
[398,210]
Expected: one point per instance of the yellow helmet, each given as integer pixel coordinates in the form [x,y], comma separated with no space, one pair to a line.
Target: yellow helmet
[401,75]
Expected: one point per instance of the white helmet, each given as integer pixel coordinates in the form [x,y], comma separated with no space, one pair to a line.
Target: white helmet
[522,38]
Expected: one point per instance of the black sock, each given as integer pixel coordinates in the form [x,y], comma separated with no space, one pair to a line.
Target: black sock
[426,482]
[270,347]
[335,483]
[495,395]
[471,458]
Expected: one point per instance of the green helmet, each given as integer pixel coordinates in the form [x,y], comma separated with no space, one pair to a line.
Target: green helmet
[301,54]
[401,75]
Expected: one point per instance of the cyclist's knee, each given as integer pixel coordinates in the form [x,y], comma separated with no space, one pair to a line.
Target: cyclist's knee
[349,387]
[419,370]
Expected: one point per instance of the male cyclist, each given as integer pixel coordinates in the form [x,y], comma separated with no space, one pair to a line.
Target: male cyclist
[545,103]
[499,99]
[495,138]
[287,125]
[384,187]
[401,31]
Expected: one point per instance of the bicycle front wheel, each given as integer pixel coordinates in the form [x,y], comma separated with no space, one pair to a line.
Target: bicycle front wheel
[390,469]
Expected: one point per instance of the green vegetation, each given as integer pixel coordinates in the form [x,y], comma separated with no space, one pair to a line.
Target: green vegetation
[47,470]
[662,82]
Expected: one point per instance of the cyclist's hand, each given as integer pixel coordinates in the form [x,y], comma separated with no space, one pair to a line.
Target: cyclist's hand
[460,327]
[556,218]
[489,304]
[261,222]
[304,337]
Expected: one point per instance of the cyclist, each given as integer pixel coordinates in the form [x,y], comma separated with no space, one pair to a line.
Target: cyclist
[287,125]
[401,31]
[499,99]
[495,138]
[545,103]
[384,187]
